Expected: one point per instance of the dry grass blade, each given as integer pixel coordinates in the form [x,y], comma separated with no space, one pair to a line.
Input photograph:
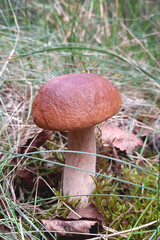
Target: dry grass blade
[121,233]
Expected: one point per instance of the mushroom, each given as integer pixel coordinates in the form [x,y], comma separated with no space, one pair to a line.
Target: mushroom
[76,103]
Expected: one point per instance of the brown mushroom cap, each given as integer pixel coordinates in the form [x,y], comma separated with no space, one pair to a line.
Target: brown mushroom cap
[76,101]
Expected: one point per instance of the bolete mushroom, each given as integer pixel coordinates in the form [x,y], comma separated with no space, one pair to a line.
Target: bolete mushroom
[76,103]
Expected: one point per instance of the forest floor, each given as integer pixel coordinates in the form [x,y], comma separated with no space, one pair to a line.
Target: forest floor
[117,40]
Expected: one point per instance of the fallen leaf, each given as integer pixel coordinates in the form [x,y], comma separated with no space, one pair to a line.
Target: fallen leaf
[89,212]
[82,223]
[35,142]
[119,138]
[31,144]
[28,177]
[72,228]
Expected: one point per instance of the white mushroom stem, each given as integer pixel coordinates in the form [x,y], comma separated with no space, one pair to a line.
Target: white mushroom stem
[76,182]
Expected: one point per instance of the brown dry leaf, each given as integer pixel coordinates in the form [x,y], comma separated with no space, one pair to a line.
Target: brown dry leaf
[89,212]
[119,138]
[28,177]
[72,228]
[87,223]
[34,142]
[30,143]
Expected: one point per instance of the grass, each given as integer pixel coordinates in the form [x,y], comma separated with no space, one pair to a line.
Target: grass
[116,39]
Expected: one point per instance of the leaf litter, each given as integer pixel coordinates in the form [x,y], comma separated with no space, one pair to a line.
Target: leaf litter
[118,137]
[82,223]
[122,139]
[90,220]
